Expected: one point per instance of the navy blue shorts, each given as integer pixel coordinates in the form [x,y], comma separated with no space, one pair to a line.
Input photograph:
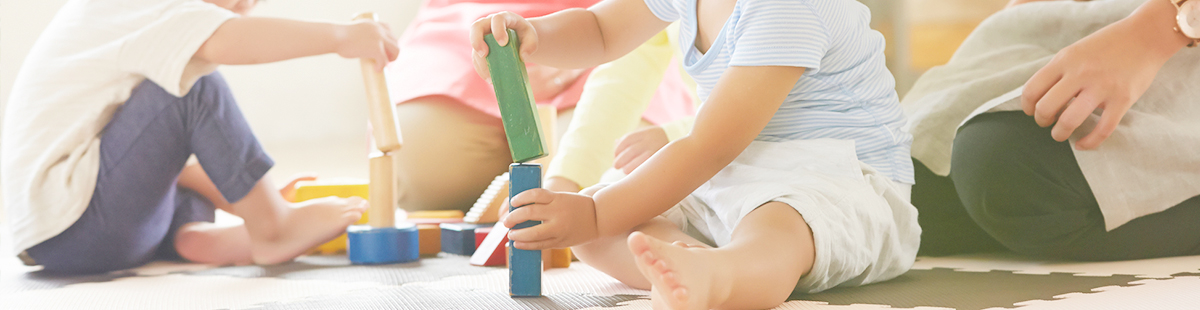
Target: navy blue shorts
[137,205]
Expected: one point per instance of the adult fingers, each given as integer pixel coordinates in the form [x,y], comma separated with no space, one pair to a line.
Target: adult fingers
[637,162]
[1074,115]
[1108,123]
[1051,105]
[624,158]
[1038,85]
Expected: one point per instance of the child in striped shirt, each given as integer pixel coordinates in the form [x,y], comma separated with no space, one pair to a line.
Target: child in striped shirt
[795,176]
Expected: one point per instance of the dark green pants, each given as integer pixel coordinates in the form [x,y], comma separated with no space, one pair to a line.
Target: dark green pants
[1012,186]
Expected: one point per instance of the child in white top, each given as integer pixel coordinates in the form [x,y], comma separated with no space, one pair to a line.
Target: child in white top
[794,177]
[73,200]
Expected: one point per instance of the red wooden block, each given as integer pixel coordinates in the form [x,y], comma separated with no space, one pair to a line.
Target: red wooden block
[480,234]
[491,251]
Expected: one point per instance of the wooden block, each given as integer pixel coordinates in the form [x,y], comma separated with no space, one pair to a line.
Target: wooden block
[518,109]
[435,221]
[459,238]
[524,266]
[487,207]
[491,251]
[344,188]
[480,234]
[384,129]
[383,211]
[436,214]
[431,239]
[560,258]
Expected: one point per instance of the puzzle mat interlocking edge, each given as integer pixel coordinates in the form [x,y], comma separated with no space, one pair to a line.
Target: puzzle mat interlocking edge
[987,281]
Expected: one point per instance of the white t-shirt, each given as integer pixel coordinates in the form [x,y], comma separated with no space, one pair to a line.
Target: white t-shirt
[82,68]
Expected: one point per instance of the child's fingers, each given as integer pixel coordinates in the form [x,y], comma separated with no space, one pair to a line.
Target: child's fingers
[480,28]
[500,28]
[481,66]
[538,245]
[529,39]
[540,232]
[527,213]
[635,163]
[532,196]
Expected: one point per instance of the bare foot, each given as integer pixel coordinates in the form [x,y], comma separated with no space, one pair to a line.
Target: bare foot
[208,243]
[681,276]
[305,225]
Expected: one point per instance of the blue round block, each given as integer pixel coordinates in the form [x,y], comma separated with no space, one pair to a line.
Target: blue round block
[369,245]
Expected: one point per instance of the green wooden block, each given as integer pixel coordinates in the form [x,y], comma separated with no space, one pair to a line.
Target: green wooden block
[518,110]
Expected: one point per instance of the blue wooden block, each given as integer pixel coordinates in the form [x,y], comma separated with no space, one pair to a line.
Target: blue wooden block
[459,238]
[524,266]
[366,245]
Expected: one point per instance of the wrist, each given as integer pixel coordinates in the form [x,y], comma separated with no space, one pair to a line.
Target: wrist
[1154,26]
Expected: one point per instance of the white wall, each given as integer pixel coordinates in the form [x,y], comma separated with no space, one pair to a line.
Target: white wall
[291,105]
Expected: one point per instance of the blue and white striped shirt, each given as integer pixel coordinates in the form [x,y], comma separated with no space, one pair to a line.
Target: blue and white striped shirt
[846,91]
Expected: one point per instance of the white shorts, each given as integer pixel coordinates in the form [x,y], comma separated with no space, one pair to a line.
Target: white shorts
[864,228]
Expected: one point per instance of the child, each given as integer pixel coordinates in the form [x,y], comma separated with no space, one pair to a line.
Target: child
[796,170]
[111,102]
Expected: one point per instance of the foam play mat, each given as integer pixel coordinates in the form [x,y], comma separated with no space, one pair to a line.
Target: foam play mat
[447,281]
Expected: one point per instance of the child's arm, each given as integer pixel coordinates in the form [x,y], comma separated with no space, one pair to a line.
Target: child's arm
[254,40]
[739,107]
[573,38]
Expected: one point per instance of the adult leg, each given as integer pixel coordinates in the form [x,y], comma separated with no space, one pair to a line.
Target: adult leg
[946,228]
[451,153]
[772,247]
[1027,191]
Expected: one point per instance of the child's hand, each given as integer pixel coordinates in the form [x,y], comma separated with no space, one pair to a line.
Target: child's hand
[552,184]
[636,147]
[568,219]
[367,39]
[497,24]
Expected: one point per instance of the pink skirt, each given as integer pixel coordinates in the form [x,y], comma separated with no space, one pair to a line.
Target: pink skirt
[435,60]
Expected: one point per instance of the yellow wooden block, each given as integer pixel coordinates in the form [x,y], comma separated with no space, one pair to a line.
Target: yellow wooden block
[560,258]
[436,214]
[430,236]
[344,188]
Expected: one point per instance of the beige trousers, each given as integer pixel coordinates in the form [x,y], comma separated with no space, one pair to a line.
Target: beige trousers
[450,153]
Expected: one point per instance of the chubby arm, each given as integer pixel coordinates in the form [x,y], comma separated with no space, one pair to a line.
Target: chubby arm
[739,107]
[572,38]
[255,40]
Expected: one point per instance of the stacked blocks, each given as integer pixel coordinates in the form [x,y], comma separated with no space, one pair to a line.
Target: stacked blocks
[459,238]
[517,108]
[371,245]
[381,241]
[525,266]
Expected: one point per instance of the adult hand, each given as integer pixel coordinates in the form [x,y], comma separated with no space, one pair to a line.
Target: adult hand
[568,219]
[1109,69]
[636,147]
[497,24]
[547,82]
[367,39]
